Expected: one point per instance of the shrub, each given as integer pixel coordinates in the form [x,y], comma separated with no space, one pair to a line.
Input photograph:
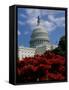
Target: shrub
[49,66]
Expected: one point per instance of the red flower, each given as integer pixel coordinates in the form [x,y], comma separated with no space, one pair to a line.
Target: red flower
[56,76]
[18,72]
[61,68]
[47,66]
[42,78]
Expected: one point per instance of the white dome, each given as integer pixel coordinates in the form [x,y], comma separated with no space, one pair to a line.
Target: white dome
[39,36]
[39,29]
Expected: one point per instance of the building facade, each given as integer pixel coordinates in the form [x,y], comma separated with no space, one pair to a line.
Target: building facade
[25,52]
[39,43]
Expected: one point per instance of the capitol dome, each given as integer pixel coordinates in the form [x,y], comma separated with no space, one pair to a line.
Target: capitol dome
[39,36]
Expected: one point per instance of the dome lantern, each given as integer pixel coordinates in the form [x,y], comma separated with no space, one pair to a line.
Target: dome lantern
[38,21]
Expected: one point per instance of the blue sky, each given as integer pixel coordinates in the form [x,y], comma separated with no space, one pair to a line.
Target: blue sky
[52,20]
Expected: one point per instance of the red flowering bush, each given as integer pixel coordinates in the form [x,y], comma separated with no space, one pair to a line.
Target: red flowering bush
[57,76]
[41,67]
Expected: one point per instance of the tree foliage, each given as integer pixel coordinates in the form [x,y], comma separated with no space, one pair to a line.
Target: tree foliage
[61,47]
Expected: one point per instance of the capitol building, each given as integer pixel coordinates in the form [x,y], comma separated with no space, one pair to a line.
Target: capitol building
[39,43]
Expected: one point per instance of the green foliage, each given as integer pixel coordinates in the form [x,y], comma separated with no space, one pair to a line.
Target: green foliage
[61,47]
[59,51]
[62,43]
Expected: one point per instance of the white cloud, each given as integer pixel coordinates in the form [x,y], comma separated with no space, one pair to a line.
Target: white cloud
[59,21]
[21,23]
[41,12]
[51,18]
[33,12]
[25,33]
[50,24]
[32,22]
[22,15]
[19,33]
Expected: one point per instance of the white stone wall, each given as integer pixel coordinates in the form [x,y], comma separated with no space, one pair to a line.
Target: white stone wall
[26,52]
[54,46]
[42,49]
[30,52]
